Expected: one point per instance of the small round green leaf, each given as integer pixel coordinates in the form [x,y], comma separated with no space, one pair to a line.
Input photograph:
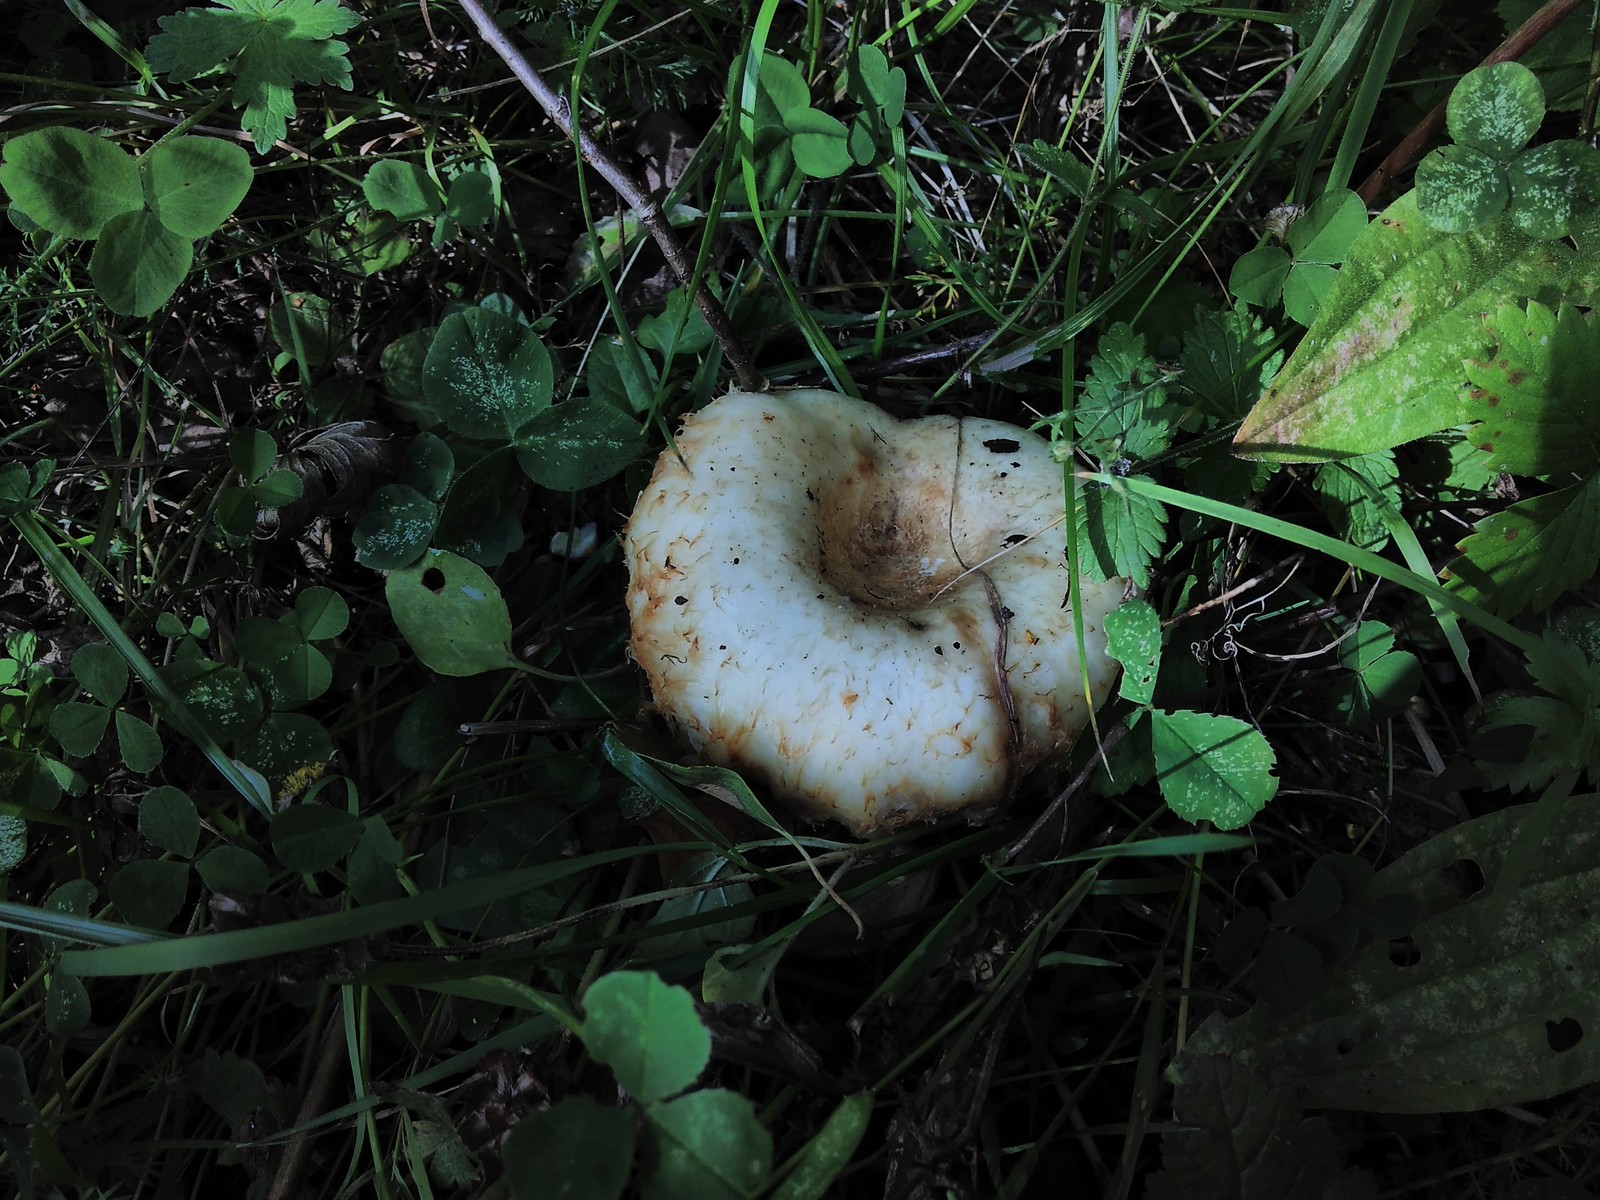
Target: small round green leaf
[66,1005]
[79,727]
[1305,289]
[820,143]
[395,528]
[1257,277]
[577,1150]
[429,730]
[486,375]
[1212,768]
[225,700]
[68,181]
[429,466]
[195,183]
[1552,187]
[139,745]
[321,613]
[371,866]
[1133,638]
[313,837]
[782,83]
[101,671]
[1326,230]
[1460,189]
[278,489]
[138,263]
[1496,109]
[308,328]
[708,1146]
[168,818]
[150,892]
[233,869]
[647,1032]
[578,444]
[471,199]
[252,452]
[452,614]
[403,190]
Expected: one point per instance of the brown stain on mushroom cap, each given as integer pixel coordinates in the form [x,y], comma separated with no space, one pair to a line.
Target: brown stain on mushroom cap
[832,641]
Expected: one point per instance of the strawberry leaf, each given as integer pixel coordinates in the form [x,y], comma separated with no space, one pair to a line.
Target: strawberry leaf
[269,45]
[1527,555]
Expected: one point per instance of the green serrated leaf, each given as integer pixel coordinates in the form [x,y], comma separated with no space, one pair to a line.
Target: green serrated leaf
[452,614]
[1381,365]
[269,46]
[1349,505]
[1133,638]
[574,1150]
[1534,400]
[195,183]
[138,263]
[1122,410]
[1225,360]
[68,181]
[1496,109]
[1121,533]
[1527,555]
[647,1032]
[1212,768]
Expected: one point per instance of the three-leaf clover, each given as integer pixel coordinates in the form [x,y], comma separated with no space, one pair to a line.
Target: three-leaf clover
[268,45]
[1492,114]
[1303,274]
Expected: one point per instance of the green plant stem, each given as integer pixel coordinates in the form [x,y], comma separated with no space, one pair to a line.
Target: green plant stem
[643,204]
[169,703]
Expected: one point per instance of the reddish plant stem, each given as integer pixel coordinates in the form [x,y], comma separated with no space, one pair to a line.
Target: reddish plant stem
[1427,129]
[635,197]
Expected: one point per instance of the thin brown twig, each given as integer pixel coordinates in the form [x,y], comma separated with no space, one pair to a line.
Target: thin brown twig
[1427,129]
[635,197]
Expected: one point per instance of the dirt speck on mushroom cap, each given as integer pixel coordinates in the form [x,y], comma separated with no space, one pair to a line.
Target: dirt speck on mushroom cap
[863,613]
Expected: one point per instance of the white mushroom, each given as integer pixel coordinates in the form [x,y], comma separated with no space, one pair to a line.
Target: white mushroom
[868,615]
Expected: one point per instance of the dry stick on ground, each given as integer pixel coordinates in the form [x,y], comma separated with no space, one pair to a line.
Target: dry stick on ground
[636,198]
[1427,129]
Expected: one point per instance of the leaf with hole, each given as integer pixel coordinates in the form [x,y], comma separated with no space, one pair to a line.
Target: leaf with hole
[1212,768]
[573,1150]
[1468,1013]
[452,615]
[647,1032]
[68,181]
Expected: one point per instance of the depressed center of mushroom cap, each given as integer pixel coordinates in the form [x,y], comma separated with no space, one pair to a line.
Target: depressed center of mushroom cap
[866,614]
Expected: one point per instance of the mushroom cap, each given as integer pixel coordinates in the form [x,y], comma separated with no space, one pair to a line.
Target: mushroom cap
[869,615]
